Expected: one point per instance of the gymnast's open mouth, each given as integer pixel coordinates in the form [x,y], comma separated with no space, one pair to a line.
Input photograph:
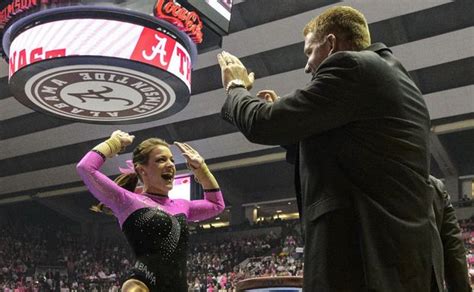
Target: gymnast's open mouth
[168,176]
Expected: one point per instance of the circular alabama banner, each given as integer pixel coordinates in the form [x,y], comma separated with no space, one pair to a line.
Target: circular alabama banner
[100,70]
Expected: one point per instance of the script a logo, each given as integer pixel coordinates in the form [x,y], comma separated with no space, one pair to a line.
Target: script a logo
[97,93]
[91,94]
[187,21]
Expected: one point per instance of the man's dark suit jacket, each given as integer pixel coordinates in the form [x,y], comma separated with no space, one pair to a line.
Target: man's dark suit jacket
[455,265]
[362,127]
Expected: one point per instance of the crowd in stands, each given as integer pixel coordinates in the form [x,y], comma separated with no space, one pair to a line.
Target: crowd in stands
[42,257]
[50,258]
[467,227]
[215,266]
[54,258]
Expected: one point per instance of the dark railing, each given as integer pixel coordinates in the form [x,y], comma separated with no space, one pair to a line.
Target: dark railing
[261,284]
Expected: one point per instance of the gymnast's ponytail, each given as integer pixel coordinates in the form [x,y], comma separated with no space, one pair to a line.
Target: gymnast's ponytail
[127,181]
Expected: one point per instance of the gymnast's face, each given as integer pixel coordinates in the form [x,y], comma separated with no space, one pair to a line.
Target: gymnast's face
[158,174]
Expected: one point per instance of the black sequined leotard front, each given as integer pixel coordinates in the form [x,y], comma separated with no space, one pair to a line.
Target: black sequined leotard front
[159,241]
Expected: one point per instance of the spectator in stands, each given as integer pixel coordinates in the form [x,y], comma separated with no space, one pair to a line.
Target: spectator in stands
[455,265]
[155,225]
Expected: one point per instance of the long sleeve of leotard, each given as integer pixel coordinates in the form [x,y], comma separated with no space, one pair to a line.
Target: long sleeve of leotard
[212,205]
[103,188]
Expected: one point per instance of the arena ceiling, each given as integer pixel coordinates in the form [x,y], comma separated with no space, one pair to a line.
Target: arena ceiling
[433,39]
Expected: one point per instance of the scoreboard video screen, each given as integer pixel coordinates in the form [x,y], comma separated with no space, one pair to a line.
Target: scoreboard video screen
[218,12]
[181,187]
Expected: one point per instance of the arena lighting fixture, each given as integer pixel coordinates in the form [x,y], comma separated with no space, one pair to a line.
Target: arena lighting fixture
[215,225]
[289,216]
[99,64]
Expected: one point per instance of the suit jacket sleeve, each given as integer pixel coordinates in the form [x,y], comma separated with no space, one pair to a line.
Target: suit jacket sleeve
[326,103]
[291,153]
[455,265]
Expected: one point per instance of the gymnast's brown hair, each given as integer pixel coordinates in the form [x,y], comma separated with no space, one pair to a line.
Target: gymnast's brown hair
[129,180]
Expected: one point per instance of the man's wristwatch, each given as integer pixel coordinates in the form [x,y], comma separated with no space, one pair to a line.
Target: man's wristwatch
[234,83]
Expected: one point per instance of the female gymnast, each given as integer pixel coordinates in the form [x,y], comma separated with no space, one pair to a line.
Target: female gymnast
[154,225]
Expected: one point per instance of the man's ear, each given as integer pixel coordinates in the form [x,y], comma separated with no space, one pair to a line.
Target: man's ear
[332,42]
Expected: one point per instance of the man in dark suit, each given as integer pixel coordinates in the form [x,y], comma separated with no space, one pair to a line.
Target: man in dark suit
[362,131]
[455,265]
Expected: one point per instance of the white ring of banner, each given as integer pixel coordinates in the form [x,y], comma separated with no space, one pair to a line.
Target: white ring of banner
[101,38]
